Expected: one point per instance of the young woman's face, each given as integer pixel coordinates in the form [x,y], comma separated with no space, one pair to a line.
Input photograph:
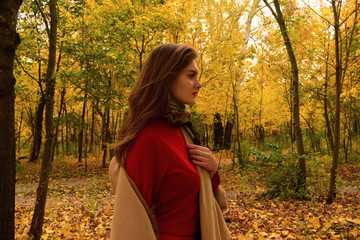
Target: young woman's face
[186,86]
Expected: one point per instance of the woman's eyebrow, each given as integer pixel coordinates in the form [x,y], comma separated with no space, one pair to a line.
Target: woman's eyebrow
[193,71]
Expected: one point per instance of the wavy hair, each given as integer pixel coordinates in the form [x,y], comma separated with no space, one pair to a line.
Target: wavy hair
[150,97]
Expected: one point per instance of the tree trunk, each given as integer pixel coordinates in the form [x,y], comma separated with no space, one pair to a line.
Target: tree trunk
[218,132]
[9,41]
[67,130]
[109,135]
[92,130]
[237,82]
[19,133]
[301,171]
[86,150]
[62,137]
[259,132]
[38,125]
[62,100]
[106,135]
[103,139]
[39,212]
[259,127]
[254,9]
[228,132]
[81,132]
[62,96]
[206,137]
[328,131]
[335,155]
[237,145]
[329,134]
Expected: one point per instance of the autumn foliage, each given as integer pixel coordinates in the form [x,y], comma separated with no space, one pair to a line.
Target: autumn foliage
[244,111]
[80,205]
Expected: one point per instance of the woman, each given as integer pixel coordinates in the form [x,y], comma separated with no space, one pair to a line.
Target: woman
[158,189]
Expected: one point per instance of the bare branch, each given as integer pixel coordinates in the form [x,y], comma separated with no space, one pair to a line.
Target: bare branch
[355,11]
[44,17]
[316,12]
[27,73]
[271,9]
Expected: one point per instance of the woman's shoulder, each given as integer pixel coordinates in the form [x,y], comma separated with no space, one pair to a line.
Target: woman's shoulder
[157,131]
[155,135]
[158,127]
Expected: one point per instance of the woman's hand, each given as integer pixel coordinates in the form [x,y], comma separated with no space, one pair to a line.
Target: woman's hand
[203,157]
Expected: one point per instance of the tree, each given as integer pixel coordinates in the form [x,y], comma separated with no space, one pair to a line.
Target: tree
[37,130]
[38,217]
[218,132]
[341,61]
[30,57]
[295,93]
[9,41]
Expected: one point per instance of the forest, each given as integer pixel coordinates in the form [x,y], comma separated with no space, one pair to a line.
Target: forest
[279,107]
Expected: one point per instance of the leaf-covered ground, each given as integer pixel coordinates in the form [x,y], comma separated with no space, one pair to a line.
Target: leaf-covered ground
[252,216]
[80,204]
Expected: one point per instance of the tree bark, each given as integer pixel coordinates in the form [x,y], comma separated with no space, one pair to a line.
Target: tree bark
[92,130]
[218,132]
[238,151]
[19,134]
[62,99]
[335,153]
[67,131]
[39,212]
[81,132]
[38,127]
[253,10]
[228,132]
[301,171]
[62,103]
[236,83]
[326,115]
[9,41]
[106,135]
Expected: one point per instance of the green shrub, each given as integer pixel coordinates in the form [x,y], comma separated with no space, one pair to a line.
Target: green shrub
[278,172]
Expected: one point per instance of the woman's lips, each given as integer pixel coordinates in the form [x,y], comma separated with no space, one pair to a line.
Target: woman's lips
[195,94]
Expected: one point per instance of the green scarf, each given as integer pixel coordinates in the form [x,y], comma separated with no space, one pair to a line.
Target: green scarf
[179,114]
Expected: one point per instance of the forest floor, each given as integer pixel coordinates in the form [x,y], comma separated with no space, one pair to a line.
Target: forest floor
[79,205]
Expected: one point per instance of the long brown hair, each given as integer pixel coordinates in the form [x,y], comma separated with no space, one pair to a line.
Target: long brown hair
[149,99]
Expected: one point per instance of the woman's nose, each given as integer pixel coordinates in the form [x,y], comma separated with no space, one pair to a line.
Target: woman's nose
[198,84]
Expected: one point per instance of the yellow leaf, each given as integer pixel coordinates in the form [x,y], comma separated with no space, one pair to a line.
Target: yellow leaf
[327,224]
[339,209]
[356,221]
[241,237]
[342,220]
[291,236]
[315,222]
[274,235]
[263,234]
[354,232]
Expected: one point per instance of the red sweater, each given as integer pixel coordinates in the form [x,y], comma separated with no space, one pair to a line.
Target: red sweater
[159,165]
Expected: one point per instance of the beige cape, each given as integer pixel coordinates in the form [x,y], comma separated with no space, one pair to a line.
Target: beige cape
[133,220]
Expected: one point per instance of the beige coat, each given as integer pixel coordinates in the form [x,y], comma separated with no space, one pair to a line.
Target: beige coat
[134,220]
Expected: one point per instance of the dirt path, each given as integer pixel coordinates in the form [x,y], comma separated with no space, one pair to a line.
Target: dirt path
[25,194]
